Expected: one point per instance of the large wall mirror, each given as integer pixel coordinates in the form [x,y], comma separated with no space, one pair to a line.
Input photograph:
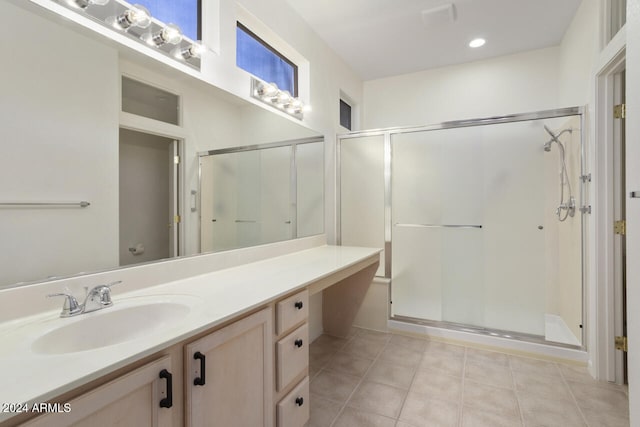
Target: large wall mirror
[110,161]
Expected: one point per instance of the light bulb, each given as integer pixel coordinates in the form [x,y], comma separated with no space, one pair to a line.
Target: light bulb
[193,51]
[83,4]
[477,42]
[137,16]
[171,34]
[283,98]
[267,91]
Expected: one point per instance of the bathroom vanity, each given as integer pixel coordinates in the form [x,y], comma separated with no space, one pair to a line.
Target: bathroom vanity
[229,347]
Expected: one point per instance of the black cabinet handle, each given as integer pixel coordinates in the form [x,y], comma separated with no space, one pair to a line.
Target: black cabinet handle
[298,343]
[167,402]
[299,401]
[299,305]
[203,375]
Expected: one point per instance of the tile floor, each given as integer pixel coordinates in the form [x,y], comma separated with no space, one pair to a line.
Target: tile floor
[375,379]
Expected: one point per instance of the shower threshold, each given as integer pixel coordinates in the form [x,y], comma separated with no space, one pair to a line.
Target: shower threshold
[479,330]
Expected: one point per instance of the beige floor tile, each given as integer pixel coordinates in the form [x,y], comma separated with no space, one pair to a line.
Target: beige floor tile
[371,335]
[534,366]
[320,355]
[538,411]
[576,373]
[597,418]
[474,417]
[542,385]
[313,371]
[600,398]
[401,356]
[329,341]
[412,343]
[420,410]
[380,399]
[479,356]
[391,374]
[448,365]
[323,411]
[351,417]
[403,424]
[488,373]
[349,364]
[438,385]
[499,401]
[363,347]
[334,386]
[444,349]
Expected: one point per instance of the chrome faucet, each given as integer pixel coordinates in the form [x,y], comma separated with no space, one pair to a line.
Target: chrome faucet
[97,298]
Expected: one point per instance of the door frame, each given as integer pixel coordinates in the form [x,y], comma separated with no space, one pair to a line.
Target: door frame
[149,126]
[604,305]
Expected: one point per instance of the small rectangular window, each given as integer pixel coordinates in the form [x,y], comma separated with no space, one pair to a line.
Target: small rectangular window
[345,115]
[186,14]
[143,100]
[260,59]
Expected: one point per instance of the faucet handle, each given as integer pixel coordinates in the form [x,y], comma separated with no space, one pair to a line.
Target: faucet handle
[104,292]
[70,306]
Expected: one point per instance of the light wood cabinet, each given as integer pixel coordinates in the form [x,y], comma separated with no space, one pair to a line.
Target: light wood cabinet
[293,409]
[229,375]
[133,399]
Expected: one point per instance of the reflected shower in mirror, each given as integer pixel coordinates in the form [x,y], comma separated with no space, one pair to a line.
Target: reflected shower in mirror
[260,195]
[84,146]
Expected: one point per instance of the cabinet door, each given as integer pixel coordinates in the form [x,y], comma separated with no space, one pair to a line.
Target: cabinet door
[130,400]
[229,375]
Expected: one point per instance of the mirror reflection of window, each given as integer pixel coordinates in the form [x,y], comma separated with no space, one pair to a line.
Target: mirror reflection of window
[185,14]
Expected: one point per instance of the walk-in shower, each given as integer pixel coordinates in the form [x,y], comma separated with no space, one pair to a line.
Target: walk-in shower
[467,213]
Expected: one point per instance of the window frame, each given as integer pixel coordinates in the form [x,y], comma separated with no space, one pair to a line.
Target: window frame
[257,38]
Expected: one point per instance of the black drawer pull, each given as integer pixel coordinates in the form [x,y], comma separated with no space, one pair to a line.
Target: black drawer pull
[167,402]
[299,305]
[299,401]
[203,376]
[298,343]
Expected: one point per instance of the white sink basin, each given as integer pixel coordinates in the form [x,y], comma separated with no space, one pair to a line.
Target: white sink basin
[124,321]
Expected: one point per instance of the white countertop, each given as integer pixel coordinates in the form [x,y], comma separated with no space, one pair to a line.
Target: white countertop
[29,377]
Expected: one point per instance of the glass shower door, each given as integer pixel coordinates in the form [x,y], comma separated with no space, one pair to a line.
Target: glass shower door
[467,227]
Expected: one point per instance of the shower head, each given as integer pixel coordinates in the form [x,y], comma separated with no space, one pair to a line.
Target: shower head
[554,138]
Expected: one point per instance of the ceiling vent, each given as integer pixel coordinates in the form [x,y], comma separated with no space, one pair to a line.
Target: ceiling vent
[439,15]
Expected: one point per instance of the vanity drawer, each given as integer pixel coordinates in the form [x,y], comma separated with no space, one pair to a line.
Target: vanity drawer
[291,311]
[293,409]
[292,356]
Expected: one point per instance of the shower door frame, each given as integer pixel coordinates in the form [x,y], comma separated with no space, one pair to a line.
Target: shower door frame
[293,178]
[387,133]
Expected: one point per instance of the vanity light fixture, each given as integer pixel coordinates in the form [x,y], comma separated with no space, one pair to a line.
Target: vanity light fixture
[170,34]
[136,16]
[281,99]
[195,50]
[83,4]
[477,42]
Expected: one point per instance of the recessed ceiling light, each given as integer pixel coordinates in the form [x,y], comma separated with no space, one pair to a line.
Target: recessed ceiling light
[477,42]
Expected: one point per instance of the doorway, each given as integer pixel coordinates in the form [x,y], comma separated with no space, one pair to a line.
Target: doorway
[149,195]
[619,209]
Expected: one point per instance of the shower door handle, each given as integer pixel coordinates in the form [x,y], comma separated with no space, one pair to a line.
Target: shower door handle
[635,194]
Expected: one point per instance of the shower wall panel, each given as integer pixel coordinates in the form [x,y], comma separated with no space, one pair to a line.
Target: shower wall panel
[362,193]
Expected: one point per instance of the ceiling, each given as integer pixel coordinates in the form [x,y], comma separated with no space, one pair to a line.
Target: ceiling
[381,38]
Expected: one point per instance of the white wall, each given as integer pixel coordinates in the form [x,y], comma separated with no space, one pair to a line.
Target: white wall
[55,117]
[510,84]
